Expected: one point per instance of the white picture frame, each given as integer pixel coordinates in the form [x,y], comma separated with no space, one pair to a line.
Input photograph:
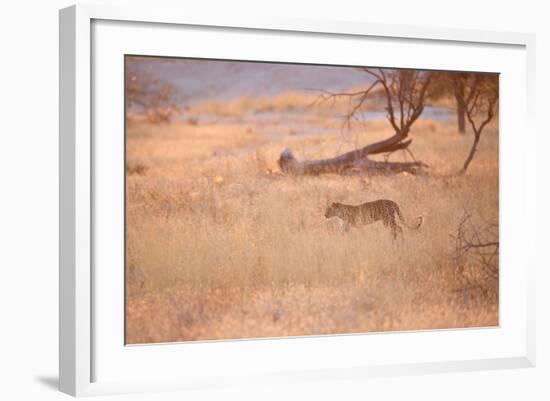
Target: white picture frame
[83,344]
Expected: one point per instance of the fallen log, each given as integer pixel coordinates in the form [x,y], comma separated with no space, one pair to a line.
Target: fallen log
[345,165]
[354,161]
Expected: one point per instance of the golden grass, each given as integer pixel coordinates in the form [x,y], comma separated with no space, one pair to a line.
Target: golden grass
[283,102]
[221,246]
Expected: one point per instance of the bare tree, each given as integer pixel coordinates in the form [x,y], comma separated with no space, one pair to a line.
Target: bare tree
[477,242]
[155,99]
[404,92]
[480,101]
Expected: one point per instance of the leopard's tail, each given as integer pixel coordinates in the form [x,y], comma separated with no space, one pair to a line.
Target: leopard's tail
[419,219]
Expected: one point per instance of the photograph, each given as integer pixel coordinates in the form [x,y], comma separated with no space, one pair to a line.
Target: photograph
[276,199]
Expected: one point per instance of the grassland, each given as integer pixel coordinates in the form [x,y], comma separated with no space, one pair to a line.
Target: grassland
[220,245]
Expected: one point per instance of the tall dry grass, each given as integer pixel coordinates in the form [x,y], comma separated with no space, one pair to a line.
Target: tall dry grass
[221,246]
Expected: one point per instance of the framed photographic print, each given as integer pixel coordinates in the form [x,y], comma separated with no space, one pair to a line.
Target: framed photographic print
[271,201]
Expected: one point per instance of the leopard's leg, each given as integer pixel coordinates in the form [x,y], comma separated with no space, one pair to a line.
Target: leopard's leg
[401,236]
[391,225]
[395,228]
[387,224]
[347,226]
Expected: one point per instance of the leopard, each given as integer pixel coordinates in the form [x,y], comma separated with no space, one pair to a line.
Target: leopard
[371,212]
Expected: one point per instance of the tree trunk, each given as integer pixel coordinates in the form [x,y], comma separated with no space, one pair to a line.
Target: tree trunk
[461,117]
[356,160]
[460,108]
[472,151]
